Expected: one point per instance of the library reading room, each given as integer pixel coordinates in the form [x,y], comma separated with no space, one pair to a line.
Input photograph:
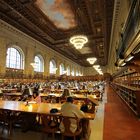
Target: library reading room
[69,69]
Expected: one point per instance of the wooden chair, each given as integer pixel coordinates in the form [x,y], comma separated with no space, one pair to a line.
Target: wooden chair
[62,99]
[6,119]
[67,125]
[50,124]
[51,99]
[3,118]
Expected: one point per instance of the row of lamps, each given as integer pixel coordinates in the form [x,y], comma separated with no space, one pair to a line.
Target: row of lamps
[92,60]
[78,41]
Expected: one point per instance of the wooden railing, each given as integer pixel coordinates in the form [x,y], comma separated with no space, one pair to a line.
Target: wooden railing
[14,73]
[38,75]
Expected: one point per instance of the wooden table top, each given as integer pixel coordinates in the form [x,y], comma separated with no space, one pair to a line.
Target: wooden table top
[41,108]
[92,98]
[13,94]
[50,94]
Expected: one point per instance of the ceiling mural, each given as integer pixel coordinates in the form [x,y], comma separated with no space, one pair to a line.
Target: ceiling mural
[59,12]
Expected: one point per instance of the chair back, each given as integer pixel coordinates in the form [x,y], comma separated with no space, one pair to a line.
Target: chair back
[50,123]
[51,99]
[3,115]
[72,126]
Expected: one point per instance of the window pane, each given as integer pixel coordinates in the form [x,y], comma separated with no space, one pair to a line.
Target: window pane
[68,70]
[38,64]
[13,59]
[62,69]
[52,67]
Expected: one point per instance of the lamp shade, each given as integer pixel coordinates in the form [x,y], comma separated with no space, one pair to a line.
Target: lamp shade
[91,60]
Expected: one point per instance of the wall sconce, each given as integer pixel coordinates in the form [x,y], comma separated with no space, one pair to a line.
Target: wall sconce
[33,65]
[98,69]
[64,72]
[123,64]
[130,57]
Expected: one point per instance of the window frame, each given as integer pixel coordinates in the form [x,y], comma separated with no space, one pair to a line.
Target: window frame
[51,71]
[61,69]
[15,57]
[39,67]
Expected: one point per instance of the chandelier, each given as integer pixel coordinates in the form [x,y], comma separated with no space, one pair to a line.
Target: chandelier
[91,60]
[78,41]
[96,66]
[98,69]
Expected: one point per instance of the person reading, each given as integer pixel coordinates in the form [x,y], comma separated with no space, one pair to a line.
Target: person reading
[71,110]
[36,97]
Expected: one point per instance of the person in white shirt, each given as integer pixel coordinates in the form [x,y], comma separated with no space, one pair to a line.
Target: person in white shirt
[71,110]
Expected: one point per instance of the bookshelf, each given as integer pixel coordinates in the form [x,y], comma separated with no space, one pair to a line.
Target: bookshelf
[127,86]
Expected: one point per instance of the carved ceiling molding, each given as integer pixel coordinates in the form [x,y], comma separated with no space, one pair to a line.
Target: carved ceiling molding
[10,28]
[114,22]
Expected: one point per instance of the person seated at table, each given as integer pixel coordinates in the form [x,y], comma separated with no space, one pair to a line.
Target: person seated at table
[97,91]
[36,97]
[36,88]
[59,86]
[25,94]
[66,93]
[71,110]
[29,119]
[1,93]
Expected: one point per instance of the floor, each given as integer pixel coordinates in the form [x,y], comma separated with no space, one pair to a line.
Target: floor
[97,125]
[120,123]
[113,121]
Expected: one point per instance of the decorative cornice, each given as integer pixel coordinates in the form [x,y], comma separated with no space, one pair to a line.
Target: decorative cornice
[12,29]
[114,22]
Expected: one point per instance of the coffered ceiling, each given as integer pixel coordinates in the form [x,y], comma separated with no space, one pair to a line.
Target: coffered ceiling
[53,22]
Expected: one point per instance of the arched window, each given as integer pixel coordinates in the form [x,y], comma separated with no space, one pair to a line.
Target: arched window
[15,58]
[53,67]
[62,69]
[68,70]
[77,74]
[81,73]
[39,63]
[72,72]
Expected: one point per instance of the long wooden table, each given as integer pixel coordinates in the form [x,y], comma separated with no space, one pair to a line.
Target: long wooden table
[41,108]
[92,98]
